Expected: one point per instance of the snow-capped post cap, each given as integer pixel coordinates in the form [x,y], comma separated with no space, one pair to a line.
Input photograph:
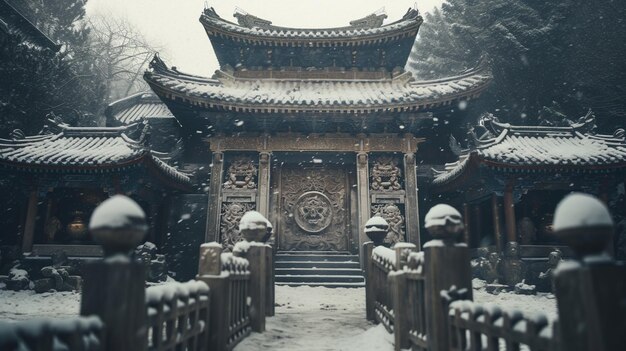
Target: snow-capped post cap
[118,224]
[376,228]
[253,226]
[444,222]
[584,223]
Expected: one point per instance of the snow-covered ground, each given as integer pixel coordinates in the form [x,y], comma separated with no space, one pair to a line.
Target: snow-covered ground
[316,318]
[307,318]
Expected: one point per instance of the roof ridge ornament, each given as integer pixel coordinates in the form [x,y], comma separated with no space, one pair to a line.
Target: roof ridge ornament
[586,124]
[157,64]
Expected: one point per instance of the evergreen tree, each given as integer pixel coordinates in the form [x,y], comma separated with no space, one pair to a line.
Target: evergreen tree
[566,51]
[35,82]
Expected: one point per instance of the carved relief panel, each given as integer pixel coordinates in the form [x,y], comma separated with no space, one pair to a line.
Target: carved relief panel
[388,195]
[313,209]
[393,214]
[238,196]
[385,175]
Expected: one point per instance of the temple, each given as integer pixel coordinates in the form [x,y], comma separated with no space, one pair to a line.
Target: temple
[318,130]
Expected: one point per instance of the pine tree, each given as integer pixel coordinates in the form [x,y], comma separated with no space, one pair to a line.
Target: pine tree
[35,82]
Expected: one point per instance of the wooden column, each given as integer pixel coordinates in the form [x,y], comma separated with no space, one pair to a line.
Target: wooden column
[29,225]
[497,222]
[509,214]
[411,206]
[362,182]
[215,198]
[263,199]
[467,234]
[478,225]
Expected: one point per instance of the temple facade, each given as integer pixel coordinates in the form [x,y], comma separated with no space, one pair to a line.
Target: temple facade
[317,129]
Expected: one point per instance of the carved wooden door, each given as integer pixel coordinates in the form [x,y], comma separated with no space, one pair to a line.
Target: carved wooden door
[313,211]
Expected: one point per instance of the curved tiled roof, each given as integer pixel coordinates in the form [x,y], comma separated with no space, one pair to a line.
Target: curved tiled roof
[137,107]
[261,30]
[325,95]
[538,148]
[85,150]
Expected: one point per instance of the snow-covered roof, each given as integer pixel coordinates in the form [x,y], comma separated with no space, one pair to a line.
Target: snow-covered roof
[135,108]
[13,22]
[400,93]
[84,149]
[539,148]
[363,31]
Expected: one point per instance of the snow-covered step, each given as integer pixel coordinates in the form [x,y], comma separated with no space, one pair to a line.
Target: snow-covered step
[327,285]
[318,271]
[319,278]
[317,264]
[318,268]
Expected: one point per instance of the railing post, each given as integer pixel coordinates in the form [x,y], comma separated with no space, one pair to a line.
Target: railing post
[253,227]
[401,303]
[269,282]
[368,247]
[446,264]
[376,229]
[397,284]
[209,271]
[590,290]
[257,256]
[114,288]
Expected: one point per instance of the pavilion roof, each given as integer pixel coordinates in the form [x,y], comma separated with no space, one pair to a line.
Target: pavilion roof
[367,30]
[13,22]
[86,150]
[135,108]
[400,93]
[538,149]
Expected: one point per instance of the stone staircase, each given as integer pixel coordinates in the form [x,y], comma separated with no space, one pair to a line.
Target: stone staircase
[319,268]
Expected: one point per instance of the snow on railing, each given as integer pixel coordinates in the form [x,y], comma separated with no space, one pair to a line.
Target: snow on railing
[178,315]
[491,327]
[77,333]
[384,256]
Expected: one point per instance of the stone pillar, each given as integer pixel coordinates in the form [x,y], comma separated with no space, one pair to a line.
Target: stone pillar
[215,198]
[31,217]
[411,205]
[362,181]
[497,223]
[509,213]
[263,200]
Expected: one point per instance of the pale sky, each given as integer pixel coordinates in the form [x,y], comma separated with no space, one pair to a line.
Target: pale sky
[174,25]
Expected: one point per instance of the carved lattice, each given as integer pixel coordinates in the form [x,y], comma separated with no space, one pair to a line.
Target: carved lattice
[241,174]
[313,209]
[393,215]
[385,174]
[229,225]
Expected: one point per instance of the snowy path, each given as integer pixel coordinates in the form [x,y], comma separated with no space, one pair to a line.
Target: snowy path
[319,319]
[306,319]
